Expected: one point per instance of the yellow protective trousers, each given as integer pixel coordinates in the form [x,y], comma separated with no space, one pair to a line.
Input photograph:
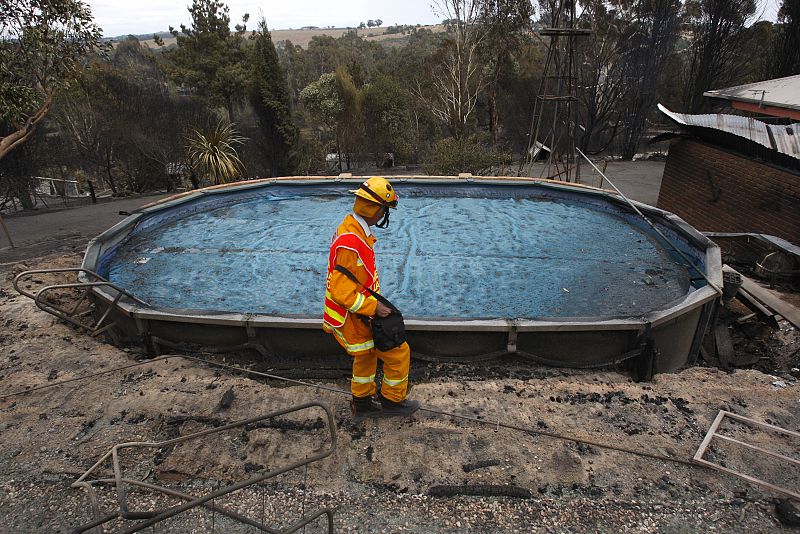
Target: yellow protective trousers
[395,372]
[353,334]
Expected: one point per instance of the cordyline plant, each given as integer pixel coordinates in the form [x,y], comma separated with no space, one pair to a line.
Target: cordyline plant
[214,154]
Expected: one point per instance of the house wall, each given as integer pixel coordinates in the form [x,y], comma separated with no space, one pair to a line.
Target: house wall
[720,191]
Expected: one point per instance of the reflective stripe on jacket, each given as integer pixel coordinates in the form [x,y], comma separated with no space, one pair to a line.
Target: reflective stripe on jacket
[351,248]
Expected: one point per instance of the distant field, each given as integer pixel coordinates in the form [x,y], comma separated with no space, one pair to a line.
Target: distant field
[303,37]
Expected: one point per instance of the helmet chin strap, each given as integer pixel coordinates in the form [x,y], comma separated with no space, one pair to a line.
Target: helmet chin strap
[384,222]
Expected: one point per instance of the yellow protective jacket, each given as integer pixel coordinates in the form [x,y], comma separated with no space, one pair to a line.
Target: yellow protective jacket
[351,248]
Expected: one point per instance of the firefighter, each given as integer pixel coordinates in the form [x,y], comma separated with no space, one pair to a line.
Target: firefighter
[348,306]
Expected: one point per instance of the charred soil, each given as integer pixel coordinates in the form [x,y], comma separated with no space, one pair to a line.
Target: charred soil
[430,473]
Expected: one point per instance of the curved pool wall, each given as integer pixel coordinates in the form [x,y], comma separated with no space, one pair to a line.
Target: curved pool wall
[591,322]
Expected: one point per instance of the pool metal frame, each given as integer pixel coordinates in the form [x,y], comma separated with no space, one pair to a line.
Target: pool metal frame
[676,330]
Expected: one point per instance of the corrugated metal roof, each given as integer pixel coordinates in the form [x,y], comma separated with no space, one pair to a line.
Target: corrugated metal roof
[780,92]
[781,138]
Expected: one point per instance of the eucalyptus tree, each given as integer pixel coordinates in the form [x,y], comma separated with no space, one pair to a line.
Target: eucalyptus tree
[784,58]
[350,123]
[715,59]
[600,60]
[335,103]
[43,43]
[324,105]
[459,77]
[387,114]
[650,38]
[508,27]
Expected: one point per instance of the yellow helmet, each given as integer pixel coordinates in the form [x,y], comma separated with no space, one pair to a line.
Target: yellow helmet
[378,190]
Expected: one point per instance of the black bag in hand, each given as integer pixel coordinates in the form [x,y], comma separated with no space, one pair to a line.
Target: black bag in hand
[390,331]
[387,332]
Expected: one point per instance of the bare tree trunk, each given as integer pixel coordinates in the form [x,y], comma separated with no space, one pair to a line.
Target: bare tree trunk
[493,115]
[459,79]
[5,230]
[23,193]
[338,152]
[108,171]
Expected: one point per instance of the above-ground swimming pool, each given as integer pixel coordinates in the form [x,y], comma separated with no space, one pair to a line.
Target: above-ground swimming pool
[480,267]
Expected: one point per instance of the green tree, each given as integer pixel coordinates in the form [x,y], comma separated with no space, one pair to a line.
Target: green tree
[209,59]
[270,99]
[42,45]
[387,118]
[452,156]
[350,123]
[322,102]
[363,60]
[214,154]
[508,24]
[334,103]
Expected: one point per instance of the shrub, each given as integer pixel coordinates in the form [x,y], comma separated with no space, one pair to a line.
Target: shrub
[451,156]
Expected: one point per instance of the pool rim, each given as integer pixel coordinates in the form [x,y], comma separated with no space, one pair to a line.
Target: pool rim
[672,310]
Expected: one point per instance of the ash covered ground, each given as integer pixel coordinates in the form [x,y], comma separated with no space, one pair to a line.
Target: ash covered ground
[389,475]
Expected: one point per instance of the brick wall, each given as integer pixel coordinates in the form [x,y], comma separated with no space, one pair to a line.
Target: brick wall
[719,191]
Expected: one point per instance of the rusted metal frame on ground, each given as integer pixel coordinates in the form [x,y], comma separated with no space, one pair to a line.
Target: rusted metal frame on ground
[689,263]
[100,520]
[69,315]
[28,273]
[712,433]
[61,313]
[151,518]
[529,430]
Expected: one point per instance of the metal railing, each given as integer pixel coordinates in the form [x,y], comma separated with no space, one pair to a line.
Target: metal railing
[146,519]
[72,315]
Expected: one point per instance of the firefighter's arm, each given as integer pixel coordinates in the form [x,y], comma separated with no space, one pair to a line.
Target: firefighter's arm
[344,291]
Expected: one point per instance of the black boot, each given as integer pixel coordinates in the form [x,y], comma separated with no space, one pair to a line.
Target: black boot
[364,407]
[403,408]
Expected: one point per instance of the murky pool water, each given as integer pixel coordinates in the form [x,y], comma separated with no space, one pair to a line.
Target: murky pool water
[456,252]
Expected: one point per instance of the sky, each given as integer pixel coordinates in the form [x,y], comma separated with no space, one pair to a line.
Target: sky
[122,17]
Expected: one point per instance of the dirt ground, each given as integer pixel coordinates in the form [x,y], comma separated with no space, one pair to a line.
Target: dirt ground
[388,475]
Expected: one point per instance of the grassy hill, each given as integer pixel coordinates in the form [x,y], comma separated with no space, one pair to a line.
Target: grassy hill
[303,36]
